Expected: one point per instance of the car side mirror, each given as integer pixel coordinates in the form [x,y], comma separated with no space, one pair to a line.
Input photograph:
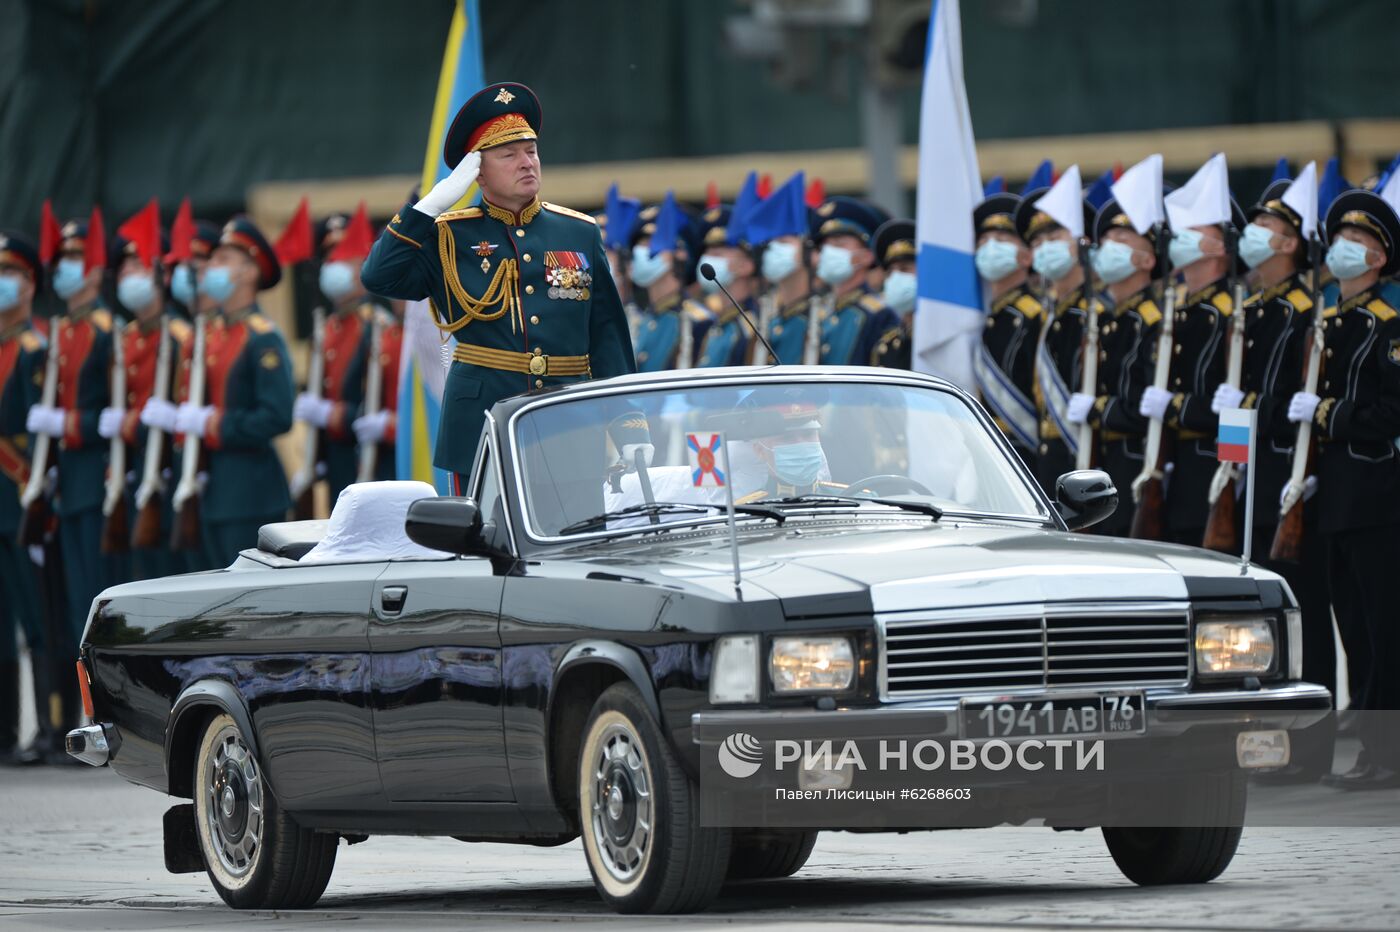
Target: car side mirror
[449,524]
[1085,497]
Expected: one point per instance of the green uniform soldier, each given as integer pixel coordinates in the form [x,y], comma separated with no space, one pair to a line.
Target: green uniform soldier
[523,285]
[671,327]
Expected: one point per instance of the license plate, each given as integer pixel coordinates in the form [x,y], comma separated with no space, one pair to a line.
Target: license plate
[1119,713]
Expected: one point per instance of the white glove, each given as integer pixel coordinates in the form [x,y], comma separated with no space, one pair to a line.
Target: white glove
[1154,402]
[1079,407]
[314,411]
[369,428]
[1303,406]
[160,414]
[1309,490]
[451,189]
[629,454]
[109,422]
[193,419]
[1226,396]
[45,420]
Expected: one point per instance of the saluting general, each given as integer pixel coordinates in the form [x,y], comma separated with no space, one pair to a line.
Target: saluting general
[523,285]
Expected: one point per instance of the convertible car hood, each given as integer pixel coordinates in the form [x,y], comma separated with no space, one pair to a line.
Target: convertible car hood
[900,566]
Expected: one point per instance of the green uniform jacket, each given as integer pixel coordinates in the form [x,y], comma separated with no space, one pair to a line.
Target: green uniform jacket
[21,381]
[568,303]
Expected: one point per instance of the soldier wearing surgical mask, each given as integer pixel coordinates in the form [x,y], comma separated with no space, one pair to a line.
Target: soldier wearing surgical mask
[727,342]
[184,277]
[896,254]
[857,318]
[672,326]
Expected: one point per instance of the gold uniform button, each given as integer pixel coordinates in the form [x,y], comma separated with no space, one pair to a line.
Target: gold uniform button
[519,232]
[529,289]
[526,257]
[539,383]
[533,319]
[536,351]
[1329,352]
[1248,343]
[1177,349]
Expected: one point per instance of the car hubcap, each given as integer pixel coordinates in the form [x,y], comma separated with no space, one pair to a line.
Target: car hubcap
[235,805]
[622,804]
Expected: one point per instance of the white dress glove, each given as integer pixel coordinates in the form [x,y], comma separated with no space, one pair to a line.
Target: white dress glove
[314,411]
[1309,490]
[1226,396]
[629,454]
[193,419]
[1303,406]
[45,420]
[109,422]
[1079,407]
[160,414]
[369,428]
[1155,402]
[451,189]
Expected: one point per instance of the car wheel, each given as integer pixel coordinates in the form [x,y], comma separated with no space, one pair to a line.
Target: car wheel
[1157,856]
[766,854]
[640,814]
[255,855]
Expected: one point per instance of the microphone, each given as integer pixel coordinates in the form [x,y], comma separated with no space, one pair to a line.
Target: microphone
[707,272]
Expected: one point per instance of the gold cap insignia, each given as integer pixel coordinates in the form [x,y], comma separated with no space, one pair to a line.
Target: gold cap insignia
[504,96]
[827,209]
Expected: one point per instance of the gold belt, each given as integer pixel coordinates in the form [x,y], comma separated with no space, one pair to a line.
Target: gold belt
[528,363]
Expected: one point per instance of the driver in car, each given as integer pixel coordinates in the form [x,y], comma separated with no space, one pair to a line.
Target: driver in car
[784,429]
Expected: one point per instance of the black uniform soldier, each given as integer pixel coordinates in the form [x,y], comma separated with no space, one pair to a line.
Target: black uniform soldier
[1004,362]
[1126,263]
[896,253]
[1356,418]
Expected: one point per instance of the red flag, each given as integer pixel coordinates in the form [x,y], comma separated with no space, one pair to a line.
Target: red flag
[816,193]
[1117,170]
[95,249]
[143,229]
[181,233]
[294,245]
[358,239]
[765,186]
[711,196]
[50,234]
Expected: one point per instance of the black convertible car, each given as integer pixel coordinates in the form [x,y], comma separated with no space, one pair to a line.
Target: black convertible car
[561,652]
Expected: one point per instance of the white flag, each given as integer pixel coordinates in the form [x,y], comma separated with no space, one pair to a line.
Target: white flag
[1391,192]
[1205,199]
[1301,198]
[1139,193]
[948,316]
[1064,202]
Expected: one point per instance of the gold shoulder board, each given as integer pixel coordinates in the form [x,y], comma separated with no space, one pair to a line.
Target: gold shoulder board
[1028,305]
[30,342]
[1223,303]
[1383,311]
[568,213]
[259,324]
[180,329]
[466,213]
[1149,313]
[1300,299]
[102,319]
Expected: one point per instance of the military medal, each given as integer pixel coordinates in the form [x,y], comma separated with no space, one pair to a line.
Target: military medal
[484,249]
[568,275]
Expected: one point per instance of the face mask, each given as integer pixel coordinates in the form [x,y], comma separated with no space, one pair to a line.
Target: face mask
[779,261]
[835,265]
[901,288]
[995,260]
[337,280]
[1254,245]
[798,464]
[1052,259]
[646,268]
[1185,248]
[182,285]
[136,291]
[724,275]
[217,284]
[9,291]
[68,280]
[1114,262]
[1347,259]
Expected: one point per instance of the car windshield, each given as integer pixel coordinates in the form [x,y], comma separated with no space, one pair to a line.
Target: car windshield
[785,441]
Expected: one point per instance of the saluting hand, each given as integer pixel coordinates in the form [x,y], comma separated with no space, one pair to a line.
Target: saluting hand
[451,189]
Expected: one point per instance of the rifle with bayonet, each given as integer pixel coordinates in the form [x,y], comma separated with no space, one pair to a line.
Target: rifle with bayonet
[1148,488]
[820,305]
[304,482]
[185,534]
[374,394]
[1288,536]
[1089,359]
[149,494]
[1220,525]
[34,503]
[114,517]
[767,311]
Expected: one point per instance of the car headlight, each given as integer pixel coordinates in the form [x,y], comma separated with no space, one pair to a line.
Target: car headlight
[734,673]
[811,664]
[1234,648]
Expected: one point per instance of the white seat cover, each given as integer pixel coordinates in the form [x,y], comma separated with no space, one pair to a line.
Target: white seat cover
[367,525]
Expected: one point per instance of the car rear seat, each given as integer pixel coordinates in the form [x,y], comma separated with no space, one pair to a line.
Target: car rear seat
[291,539]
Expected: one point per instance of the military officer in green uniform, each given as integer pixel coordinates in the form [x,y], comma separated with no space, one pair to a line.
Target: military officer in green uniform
[857,318]
[671,326]
[523,285]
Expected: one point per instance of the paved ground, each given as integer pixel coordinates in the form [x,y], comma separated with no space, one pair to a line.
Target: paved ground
[80,849]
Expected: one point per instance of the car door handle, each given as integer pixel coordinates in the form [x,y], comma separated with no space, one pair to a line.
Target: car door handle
[391,599]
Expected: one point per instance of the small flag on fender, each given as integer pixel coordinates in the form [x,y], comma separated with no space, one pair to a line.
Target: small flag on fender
[1232,442]
[704,460]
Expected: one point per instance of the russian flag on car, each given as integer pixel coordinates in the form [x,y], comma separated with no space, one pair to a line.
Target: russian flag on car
[1232,442]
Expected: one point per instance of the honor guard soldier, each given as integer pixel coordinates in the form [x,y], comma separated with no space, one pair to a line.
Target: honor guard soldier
[21,376]
[343,244]
[727,342]
[184,276]
[82,338]
[774,227]
[1356,418]
[1059,354]
[141,290]
[856,318]
[1004,360]
[1126,262]
[381,425]
[896,253]
[248,397]
[1199,345]
[522,284]
[671,326]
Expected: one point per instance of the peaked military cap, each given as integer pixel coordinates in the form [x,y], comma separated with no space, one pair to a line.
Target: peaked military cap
[495,115]
[714,226]
[123,247]
[1271,203]
[847,215]
[17,252]
[72,237]
[241,233]
[206,237]
[1031,222]
[330,231]
[1110,215]
[894,240]
[1368,211]
[996,213]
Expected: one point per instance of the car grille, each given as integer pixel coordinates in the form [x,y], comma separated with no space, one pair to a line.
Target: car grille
[1051,650]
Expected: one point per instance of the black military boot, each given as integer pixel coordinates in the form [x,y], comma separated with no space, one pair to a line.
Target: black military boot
[9,711]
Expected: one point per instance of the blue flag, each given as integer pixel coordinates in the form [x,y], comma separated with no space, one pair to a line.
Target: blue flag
[1281,171]
[622,216]
[784,213]
[1100,191]
[744,204]
[670,221]
[1043,177]
[995,186]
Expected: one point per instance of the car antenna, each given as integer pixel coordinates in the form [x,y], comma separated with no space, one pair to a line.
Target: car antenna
[707,272]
